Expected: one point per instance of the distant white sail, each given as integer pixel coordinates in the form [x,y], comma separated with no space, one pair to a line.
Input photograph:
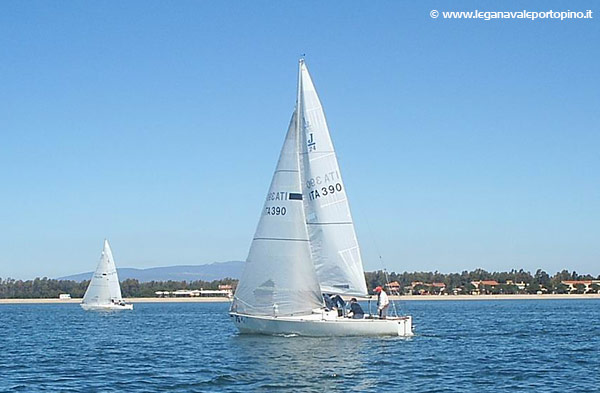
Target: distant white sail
[104,287]
[279,278]
[335,250]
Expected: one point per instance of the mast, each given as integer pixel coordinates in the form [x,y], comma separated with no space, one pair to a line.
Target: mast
[298,128]
[298,98]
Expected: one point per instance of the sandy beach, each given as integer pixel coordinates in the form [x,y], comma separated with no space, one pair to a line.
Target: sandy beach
[397,298]
[495,297]
[128,300]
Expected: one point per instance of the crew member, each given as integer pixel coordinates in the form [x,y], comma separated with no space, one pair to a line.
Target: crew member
[356,311]
[383,302]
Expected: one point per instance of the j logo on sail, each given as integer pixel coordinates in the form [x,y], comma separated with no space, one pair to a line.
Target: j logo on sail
[312,146]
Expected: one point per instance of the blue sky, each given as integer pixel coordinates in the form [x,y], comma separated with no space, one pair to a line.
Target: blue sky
[463,143]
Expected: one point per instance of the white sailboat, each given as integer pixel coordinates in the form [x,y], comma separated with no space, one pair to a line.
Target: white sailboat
[104,291]
[305,244]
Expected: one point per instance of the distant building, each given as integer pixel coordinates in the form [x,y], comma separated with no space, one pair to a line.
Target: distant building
[64,296]
[418,288]
[393,287]
[491,283]
[573,284]
[520,285]
[481,287]
[424,288]
[195,293]
[439,286]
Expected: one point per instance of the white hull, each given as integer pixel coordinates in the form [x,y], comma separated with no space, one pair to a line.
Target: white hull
[322,325]
[106,307]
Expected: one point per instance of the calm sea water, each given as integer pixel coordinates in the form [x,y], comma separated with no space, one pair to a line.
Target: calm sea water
[461,346]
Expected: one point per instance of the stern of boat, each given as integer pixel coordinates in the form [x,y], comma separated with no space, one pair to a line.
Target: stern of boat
[405,326]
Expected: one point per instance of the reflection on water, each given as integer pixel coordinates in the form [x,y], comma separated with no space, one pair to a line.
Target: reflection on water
[304,362]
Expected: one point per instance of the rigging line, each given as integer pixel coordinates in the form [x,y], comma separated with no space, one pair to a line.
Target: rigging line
[373,239]
[377,249]
[385,273]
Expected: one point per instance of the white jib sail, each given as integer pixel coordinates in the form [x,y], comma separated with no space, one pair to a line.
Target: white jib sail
[104,286]
[335,250]
[279,278]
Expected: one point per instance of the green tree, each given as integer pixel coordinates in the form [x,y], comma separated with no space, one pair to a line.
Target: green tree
[542,278]
[508,289]
[561,288]
[467,288]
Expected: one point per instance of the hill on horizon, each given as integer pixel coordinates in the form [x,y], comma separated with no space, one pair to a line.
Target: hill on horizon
[206,272]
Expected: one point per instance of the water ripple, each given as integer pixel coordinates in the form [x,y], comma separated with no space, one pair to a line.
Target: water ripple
[487,346]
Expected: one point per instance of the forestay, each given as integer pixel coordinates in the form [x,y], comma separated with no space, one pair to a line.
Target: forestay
[334,246]
[104,285]
[278,278]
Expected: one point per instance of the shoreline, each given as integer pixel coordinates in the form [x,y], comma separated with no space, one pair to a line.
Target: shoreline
[495,297]
[127,300]
[395,298]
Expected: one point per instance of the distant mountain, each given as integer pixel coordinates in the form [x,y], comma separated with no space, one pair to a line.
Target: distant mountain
[208,272]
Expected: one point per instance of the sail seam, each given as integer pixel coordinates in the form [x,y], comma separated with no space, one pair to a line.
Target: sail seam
[328,223]
[317,152]
[320,157]
[333,203]
[280,238]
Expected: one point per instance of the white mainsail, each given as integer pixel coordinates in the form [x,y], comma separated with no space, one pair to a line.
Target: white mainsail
[334,246]
[279,278]
[104,287]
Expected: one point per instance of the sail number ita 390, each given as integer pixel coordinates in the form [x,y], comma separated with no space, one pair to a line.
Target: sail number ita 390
[275,210]
[324,185]
[325,191]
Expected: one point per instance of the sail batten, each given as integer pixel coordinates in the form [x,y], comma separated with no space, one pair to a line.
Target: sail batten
[329,223]
[281,239]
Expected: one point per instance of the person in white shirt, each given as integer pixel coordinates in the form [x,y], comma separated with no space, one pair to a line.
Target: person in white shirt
[383,302]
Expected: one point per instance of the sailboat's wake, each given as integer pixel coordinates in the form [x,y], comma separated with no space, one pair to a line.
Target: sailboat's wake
[287,335]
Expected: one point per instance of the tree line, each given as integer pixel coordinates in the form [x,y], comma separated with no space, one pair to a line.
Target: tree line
[462,281]
[51,288]
[47,288]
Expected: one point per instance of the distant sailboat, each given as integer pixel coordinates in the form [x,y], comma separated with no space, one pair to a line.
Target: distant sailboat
[305,244]
[104,290]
